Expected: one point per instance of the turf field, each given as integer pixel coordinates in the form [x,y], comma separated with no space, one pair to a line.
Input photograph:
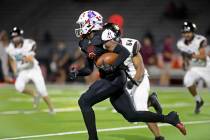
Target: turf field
[18,120]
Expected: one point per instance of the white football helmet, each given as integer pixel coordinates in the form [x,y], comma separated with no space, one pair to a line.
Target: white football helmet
[88,21]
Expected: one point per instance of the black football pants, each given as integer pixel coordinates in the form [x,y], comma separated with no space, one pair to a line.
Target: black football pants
[103,89]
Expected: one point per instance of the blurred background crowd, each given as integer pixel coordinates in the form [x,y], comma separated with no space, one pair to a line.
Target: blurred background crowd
[156,24]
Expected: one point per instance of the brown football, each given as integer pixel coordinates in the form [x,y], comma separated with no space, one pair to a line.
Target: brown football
[106,58]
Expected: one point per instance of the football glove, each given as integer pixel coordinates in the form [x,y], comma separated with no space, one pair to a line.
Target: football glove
[130,84]
[107,68]
[73,73]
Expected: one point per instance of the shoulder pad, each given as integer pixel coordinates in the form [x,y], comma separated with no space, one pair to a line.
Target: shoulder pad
[200,37]
[30,41]
[30,44]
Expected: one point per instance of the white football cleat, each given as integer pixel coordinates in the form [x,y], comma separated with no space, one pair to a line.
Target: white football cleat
[52,112]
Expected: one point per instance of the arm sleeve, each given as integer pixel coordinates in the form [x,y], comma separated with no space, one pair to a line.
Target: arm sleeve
[123,55]
[87,70]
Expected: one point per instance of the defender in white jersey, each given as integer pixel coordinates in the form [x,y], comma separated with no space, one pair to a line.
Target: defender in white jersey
[140,92]
[26,67]
[196,60]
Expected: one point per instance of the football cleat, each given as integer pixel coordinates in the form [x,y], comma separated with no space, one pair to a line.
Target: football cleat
[159,138]
[198,106]
[173,119]
[153,101]
[181,128]
[52,112]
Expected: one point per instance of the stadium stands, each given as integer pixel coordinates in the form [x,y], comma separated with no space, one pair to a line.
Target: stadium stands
[58,19]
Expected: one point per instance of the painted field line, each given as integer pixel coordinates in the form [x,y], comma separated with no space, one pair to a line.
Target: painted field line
[99,130]
[57,110]
[76,108]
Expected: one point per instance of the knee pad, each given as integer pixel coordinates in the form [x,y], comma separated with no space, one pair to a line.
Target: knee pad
[42,92]
[80,102]
[188,83]
[189,79]
[19,87]
[83,101]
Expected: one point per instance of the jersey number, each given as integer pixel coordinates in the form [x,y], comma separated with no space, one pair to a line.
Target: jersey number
[129,42]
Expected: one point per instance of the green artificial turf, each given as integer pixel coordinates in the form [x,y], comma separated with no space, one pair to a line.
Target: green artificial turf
[18,118]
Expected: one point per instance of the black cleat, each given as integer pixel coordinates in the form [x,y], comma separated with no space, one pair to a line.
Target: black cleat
[159,138]
[173,119]
[198,106]
[153,101]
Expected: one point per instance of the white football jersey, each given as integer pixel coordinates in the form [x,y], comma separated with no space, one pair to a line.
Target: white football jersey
[193,47]
[17,54]
[133,46]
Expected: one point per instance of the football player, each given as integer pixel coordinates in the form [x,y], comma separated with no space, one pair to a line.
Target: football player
[139,93]
[196,60]
[25,66]
[94,42]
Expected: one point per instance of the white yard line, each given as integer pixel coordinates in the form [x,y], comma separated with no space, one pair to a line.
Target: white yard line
[99,130]
[70,109]
[84,86]
[76,108]
[55,99]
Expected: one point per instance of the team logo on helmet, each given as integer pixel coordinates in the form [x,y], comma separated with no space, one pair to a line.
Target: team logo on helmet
[88,21]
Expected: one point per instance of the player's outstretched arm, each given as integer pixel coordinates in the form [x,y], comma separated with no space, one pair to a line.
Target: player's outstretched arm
[139,66]
[88,69]
[29,56]
[13,65]
[85,71]
[202,51]
[186,58]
